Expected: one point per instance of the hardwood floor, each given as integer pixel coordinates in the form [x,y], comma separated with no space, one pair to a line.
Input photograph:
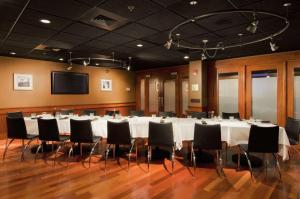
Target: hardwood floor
[43,180]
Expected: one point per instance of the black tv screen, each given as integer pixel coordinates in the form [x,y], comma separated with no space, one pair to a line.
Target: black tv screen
[69,83]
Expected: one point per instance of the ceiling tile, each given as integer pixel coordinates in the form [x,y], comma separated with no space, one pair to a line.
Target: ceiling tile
[162,20]
[84,30]
[135,30]
[115,38]
[142,8]
[145,44]
[65,40]
[33,17]
[33,31]
[67,8]
[100,44]
[158,38]
[166,3]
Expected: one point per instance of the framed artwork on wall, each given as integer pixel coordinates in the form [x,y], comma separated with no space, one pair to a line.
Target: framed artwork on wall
[23,81]
[106,85]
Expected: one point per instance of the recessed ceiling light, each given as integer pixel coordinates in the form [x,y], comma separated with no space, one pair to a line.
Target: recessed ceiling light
[287,4]
[12,53]
[97,64]
[139,45]
[61,59]
[186,57]
[193,3]
[45,21]
[240,34]
[177,34]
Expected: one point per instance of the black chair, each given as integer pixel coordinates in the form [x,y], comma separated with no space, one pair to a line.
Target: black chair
[261,140]
[89,112]
[48,131]
[199,115]
[161,134]
[66,111]
[207,137]
[137,113]
[112,113]
[16,129]
[228,115]
[119,133]
[292,129]
[81,132]
[167,114]
[14,114]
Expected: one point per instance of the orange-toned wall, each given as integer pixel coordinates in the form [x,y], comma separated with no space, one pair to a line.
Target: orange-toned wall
[41,93]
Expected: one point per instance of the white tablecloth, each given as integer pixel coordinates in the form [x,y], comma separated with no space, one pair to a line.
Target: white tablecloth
[233,132]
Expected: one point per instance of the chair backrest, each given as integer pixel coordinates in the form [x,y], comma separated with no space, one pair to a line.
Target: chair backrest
[118,133]
[137,113]
[16,128]
[198,115]
[292,129]
[167,114]
[15,114]
[228,115]
[89,111]
[66,111]
[111,113]
[48,129]
[81,131]
[207,136]
[263,139]
[161,134]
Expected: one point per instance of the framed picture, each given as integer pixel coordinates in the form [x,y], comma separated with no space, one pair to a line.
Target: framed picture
[22,82]
[106,85]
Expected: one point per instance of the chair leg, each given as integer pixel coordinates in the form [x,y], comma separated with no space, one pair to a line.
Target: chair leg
[92,151]
[69,155]
[249,164]
[6,147]
[220,161]
[24,148]
[106,155]
[277,164]
[57,150]
[172,158]
[193,158]
[136,153]
[149,157]
[266,165]
[129,155]
[239,158]
[37,152]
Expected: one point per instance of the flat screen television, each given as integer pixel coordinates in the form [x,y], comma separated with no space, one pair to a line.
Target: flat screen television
[69,83]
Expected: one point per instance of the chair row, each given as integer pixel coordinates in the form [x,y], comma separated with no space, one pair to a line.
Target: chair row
[208,137]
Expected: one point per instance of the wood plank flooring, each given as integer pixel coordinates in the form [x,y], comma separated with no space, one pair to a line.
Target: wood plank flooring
[44,180]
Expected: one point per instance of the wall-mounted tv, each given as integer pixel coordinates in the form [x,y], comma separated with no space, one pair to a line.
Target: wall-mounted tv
[69,83]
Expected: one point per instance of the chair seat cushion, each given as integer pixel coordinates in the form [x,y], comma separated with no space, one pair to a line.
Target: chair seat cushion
[293,142]
[64,137]
[31,136]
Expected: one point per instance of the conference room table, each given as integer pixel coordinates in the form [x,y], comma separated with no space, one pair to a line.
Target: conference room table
[233,132]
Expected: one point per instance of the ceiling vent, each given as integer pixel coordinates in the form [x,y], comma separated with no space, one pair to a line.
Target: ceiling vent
[103,19]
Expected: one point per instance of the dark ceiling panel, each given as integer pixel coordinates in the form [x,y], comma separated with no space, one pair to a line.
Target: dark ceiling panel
[8,14]
[189,30]
[84,30]
[142,8]
[33,31]
[135,30]
[185,9]
[67,8]
[166,3]
[65,40]
[158,38]
[115,38]
[91,2]
[144,43]
[162,20]
[99,44]
[33,17]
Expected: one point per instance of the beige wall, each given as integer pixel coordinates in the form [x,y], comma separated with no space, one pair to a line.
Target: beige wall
[41,93]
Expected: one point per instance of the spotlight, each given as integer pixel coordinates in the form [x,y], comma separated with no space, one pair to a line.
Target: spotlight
[97,64]
[12,53]
[139,45]
[186,57]
[252,26]
[45,21]
[128,68]
[203,57]
[193,3]
[168,44]
[273,45]
[85,63]
[61,59]
[69,68]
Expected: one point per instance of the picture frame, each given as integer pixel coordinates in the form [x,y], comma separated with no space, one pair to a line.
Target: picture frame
[23,81]
[106,84]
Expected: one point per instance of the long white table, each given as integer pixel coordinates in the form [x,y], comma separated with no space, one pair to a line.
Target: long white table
[232,131]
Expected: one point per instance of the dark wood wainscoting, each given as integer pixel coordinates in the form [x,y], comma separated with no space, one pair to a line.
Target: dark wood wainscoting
[124,109]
